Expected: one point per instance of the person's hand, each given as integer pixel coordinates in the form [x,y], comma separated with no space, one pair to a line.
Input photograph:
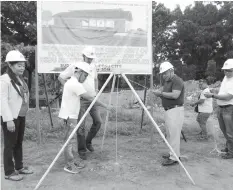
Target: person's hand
[157,92]
[10,126]
[111,108]
[208,95]
[192,104]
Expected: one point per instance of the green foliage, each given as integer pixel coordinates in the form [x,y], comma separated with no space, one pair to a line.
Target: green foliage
[18,22]
[199,34]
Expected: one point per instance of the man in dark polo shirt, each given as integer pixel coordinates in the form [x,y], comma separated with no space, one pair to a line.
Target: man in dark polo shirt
[172,95]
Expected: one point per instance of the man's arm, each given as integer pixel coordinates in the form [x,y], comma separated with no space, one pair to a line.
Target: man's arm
[62,81]
[226,97]
[91,98]
[66,74]
[171,95]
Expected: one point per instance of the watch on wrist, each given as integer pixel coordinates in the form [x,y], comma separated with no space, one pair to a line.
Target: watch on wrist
[212,96]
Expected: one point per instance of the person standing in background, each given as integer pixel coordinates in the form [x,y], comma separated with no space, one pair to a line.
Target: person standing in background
[204,109]
[225,107]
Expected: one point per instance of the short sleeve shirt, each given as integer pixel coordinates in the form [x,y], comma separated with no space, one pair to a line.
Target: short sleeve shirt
[176,83]
[226,88]
[88,84]
[70,105]
[207,105]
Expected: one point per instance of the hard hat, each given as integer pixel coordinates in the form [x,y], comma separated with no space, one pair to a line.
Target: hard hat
[83,66]
[228,64]
[165,66]
[89,52]
[14,55]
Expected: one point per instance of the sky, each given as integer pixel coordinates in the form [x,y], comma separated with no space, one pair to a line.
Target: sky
[171,4]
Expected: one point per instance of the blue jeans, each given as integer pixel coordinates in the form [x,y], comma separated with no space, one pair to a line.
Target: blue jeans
[225,119]
[96,118]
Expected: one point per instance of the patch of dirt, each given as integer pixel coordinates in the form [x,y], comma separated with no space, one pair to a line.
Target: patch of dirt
[138,164]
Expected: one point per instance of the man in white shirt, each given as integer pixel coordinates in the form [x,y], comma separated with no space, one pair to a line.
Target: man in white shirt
[225,107]
[70,109]
[90,85]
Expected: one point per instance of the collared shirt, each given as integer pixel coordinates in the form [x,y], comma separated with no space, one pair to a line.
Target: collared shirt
[226,88]
[70,105]
[89,83]
[176,83]
[207,105]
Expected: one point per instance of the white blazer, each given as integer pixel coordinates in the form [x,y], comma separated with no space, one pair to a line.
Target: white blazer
[11,101]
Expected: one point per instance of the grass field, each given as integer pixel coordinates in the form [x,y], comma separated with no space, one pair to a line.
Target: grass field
[136,163]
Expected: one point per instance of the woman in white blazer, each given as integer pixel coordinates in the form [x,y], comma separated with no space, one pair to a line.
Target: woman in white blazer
[14,97]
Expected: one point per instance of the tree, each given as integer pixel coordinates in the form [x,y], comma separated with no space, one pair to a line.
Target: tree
[18,22]
[18,28]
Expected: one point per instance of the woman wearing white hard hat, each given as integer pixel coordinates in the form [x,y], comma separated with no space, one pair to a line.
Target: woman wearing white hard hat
[14,106]
[225,107]
[172,95]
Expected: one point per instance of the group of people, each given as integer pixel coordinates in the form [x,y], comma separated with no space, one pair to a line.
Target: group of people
[79,90]
[172,95]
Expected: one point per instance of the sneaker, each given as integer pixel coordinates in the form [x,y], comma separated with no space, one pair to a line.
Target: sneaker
[169,162]
[227,156]
[166,156]
[24,170]
[90,147]
[79,165]
[71,168]
[203,137]
[14,177]
[224,150]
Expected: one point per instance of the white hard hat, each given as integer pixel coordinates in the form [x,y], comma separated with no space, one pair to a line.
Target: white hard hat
[165,66]
[83,66]
[89,52]
[14,55]
[228,64]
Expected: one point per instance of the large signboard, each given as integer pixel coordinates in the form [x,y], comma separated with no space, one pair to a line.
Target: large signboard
[120,32]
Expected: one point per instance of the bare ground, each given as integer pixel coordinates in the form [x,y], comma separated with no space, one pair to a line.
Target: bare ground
[139,164]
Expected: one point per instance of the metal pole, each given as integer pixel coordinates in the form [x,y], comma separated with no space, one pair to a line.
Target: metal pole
[47,100]
[144,101]
[73,132]
[37,98]
[157,127]
[107,116]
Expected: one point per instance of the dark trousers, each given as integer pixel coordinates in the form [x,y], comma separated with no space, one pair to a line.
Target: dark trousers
[13,146]
[225,119]
[96,118]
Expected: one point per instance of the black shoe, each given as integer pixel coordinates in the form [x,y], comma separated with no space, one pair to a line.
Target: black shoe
[82,155]
[227,156]
[90,147]
[169,162]
[166,156]
[224,150]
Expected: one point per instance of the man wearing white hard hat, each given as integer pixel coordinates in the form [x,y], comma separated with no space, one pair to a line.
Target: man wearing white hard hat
[172,96]
[90,85]
[70,109]
[225,107]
